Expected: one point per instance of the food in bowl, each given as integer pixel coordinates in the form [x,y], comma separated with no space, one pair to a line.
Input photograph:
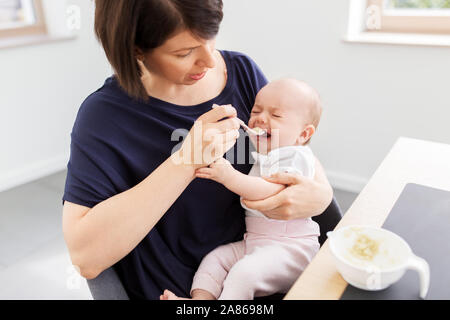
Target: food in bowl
[372,258]
[366,247]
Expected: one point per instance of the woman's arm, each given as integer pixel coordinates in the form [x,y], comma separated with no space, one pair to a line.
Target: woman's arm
[97,238]
[103,235]
[303,198]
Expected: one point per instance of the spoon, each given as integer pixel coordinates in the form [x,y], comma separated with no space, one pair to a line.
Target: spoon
[254,132]
[260,132]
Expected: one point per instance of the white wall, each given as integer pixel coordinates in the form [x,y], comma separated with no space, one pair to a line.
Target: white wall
[372,93]
[41,89]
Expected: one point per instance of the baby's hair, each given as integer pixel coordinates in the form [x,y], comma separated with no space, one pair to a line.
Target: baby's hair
[316,108]
[317,111]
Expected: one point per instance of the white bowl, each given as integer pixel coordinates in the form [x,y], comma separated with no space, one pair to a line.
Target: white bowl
[372,258]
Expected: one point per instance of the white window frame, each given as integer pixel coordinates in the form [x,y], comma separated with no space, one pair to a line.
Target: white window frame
[35,27]
[56,21]
[362,28]
[425,21]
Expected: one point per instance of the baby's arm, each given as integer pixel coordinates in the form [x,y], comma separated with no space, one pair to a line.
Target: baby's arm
[248,187]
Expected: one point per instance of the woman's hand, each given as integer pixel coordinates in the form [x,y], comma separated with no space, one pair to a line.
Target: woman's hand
[210,138]
[303,197]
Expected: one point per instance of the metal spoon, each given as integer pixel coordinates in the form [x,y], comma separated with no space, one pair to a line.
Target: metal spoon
[252,131]
[262,132]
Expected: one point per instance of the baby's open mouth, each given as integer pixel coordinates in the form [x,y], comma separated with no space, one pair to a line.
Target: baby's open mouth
[262,132]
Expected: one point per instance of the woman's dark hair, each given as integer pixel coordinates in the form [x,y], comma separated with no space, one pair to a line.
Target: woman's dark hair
[122,26]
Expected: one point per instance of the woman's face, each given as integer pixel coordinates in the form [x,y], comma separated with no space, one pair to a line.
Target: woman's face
[183,59]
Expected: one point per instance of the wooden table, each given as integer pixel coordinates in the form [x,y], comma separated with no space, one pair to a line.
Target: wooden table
[409,161]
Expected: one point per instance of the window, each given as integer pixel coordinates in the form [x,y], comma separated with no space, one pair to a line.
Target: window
[408,16]
[21,18]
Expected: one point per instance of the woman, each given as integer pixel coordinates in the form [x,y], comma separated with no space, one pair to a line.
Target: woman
[127,202]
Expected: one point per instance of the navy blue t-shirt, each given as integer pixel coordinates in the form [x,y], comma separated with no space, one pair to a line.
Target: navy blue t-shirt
[117,142]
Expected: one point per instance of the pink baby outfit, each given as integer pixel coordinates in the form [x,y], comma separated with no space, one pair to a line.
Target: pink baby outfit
[273,253]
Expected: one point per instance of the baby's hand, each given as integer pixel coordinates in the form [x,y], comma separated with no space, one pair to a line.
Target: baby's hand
[221,170]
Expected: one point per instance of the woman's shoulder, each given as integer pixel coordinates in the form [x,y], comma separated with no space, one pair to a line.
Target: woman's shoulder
[100,108]
[244,70]
[107,93]
[240,59]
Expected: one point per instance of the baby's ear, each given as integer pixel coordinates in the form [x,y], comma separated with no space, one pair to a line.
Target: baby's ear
[306,134]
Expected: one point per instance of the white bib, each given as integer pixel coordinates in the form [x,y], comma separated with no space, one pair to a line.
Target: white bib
[291,159]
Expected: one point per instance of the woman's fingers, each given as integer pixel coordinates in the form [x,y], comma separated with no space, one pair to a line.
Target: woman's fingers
[229,145]
[221,136]
[229,141]
[222,142]
[277,208]
[218,113]
[225,126]
[231,135]
[285,178]
[212,135]
[266,204]
[273,214]
[219,151]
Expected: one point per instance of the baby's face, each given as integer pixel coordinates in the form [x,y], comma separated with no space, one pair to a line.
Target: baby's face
[283,114]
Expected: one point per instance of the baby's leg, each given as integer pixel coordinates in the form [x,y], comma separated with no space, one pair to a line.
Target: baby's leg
[214,269]
[197,294]
[268,270]
[208,280]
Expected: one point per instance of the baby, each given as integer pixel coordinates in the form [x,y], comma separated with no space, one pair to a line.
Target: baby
[273,253]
